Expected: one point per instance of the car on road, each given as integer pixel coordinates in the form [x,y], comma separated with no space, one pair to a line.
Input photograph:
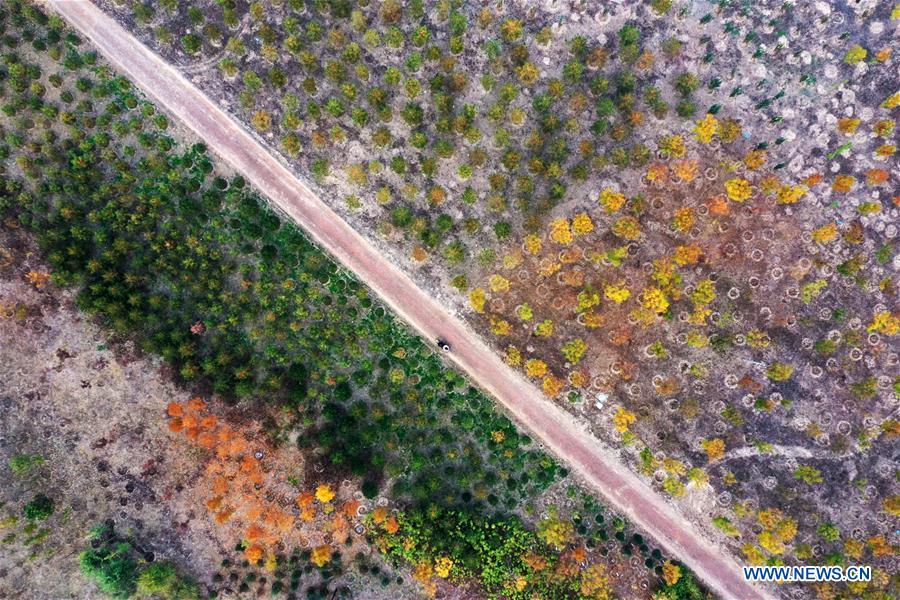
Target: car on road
[444,345]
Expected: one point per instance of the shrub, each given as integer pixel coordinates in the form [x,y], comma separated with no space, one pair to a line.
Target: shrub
[22,464]
[39,508]
[111,565]
[161,580]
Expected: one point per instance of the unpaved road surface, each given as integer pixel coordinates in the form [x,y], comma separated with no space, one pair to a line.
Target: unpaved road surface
[558,431]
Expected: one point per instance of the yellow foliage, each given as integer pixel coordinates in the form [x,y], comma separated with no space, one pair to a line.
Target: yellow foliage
[754,555]
[320,555]
[500,326]
[687,255]
[891,505]
[611,200]
[686,170]
[553,386]
[548,268]
[535,367]
[789,194]
[683,219]
[671,572]
[582,224]
[380,514]
[786,530]
[825,234]
[880,546]
[512,260]
[729,130]
[532,243]
[892,101]
[442,567]
[513,356]
[738,190]
[324,493]
[884,322]
[617,293]
[673,146]
[594,582]
[37,278]
[544,328]
[704,292]
[714,448]
[560,232]
[769,518]
[853,548]
[771,543]
[754,159]
[423,574]
[498,283]
[654,300]
[770,184]
[556,532]
[627,227]
[674,466]
[477,299]
[592,320]
[528,73]
[706,128]
[623,419]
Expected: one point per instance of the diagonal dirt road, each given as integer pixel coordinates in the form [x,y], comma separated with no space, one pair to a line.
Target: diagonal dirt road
[558,431]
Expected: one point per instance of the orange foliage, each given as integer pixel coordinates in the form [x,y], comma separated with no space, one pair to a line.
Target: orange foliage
[220,485]
[254,532]
[350,507]
[718,206]
[379,515]
[196,403]
[254,553]
[236,483]
[391,525]
[877,176]
[224,515]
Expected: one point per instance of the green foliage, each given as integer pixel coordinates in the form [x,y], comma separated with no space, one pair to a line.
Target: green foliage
[110,564]
[808,474]
[686,588]
[39,508]
[24,464]
[161,580]
[489,549]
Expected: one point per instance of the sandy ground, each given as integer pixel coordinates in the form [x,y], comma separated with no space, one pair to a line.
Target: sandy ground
[97,418]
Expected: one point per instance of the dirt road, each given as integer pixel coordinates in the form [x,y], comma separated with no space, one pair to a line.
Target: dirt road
[558,431]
